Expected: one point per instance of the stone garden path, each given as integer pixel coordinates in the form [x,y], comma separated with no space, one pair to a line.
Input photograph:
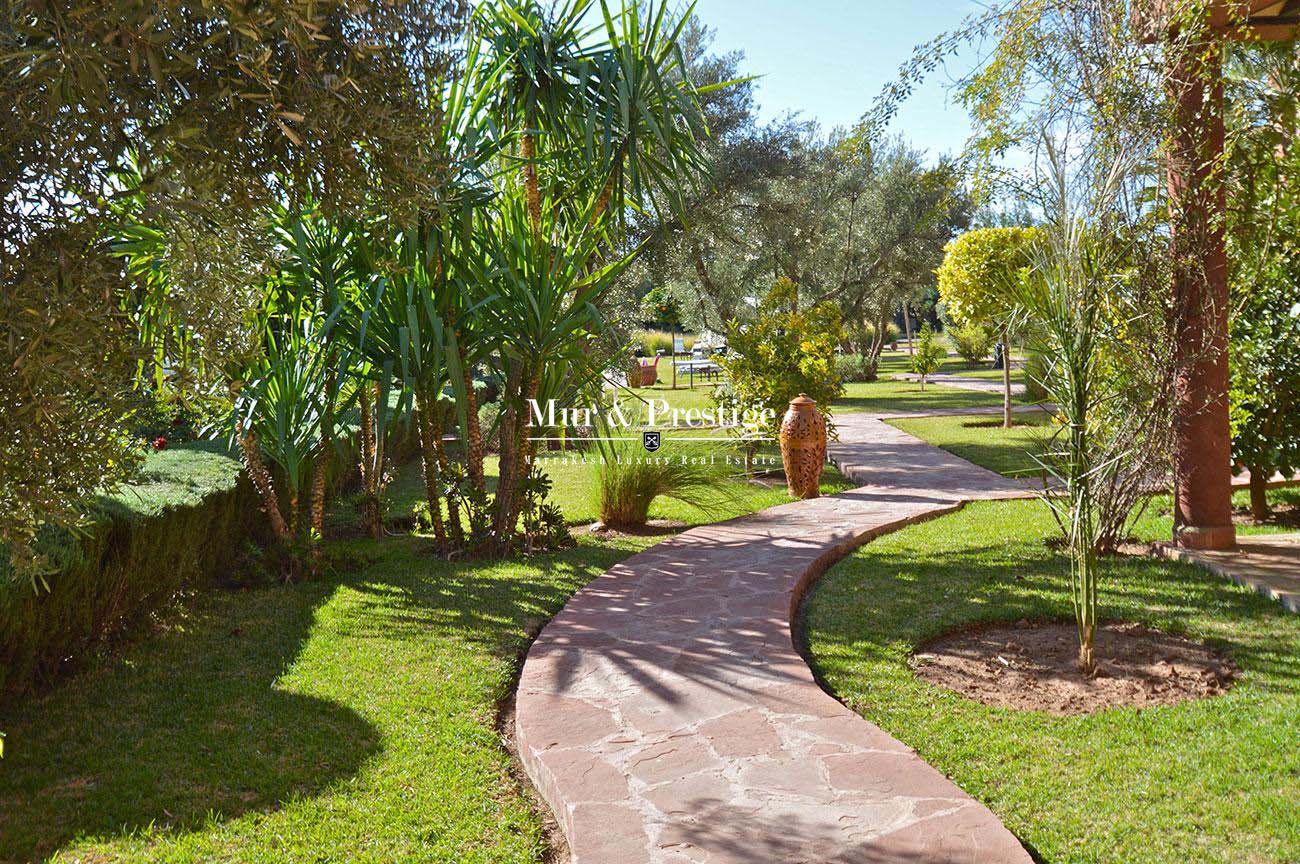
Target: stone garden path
[666,715]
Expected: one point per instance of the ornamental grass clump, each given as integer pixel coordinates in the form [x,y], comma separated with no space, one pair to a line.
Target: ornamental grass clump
[928,357]
[628,480]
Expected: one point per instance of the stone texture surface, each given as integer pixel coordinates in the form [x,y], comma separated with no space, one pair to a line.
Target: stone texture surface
[666,716]
[1267,563]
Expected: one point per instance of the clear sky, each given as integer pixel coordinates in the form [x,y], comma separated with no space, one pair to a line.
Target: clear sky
[828,59]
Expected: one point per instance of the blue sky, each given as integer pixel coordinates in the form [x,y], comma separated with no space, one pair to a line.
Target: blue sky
[828,59]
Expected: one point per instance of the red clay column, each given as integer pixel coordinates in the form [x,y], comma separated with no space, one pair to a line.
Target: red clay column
[1203,448]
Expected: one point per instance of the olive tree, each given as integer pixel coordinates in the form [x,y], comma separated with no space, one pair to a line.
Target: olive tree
[190,116]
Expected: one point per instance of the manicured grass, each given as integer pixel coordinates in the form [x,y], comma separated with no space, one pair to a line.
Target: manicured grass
[347,719]
[887,396]
[1010,452]
[573,474]
[350,718]
[181,475]
[683,398]
[982,439]
[1210,781]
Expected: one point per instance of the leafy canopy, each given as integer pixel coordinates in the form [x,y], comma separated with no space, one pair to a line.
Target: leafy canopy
[784,351]
[977,277]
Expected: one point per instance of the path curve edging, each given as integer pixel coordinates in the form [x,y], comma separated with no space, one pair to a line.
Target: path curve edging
[667,715]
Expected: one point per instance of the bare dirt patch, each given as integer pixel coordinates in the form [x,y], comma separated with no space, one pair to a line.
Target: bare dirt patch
[1282,515]
[652,528]
[1033,667]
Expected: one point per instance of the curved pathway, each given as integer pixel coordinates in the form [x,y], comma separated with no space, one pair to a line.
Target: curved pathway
[666,716]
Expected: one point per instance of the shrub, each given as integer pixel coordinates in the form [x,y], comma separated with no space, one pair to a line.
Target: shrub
[853,367]
[928,356]
[651,342]
[185,522]
[972,341]
[628,480]
[783,352]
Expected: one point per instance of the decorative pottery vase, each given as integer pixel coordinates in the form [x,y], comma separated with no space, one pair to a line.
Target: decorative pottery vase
[803,447]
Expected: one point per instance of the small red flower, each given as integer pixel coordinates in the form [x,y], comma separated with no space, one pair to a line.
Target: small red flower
[160,443]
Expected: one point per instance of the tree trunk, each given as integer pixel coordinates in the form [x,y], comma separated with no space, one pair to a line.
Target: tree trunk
[877,347]
[532,187]
[262,483]
[474,432]
[454,528]
[321,467]
[1006,379]
[506,464]
[514,463]
[907,325]
[429,462]
[371,469]
[1259,509]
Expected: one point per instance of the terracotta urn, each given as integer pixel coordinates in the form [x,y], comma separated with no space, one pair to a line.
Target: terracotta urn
[803,447]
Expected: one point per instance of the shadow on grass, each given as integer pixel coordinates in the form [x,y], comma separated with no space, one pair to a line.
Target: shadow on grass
[495,606]
[183,727]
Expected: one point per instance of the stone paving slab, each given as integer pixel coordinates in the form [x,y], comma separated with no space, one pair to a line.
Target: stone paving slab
[1267,563]
[666,716]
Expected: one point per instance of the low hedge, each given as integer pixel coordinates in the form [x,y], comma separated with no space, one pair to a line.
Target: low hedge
[183,524]
[187,519]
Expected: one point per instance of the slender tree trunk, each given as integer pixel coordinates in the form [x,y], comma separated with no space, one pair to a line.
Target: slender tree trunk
[429,462]
[454,528]
[322,467]
[907,325]
[877,347]
[474,430]
[371,469]
[1086,613]
[263,484]
[1259,509]
[1006,379]
[532,187]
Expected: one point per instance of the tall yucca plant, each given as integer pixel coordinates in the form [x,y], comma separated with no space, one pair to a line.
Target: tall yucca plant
[397,326]
[279,412]
[544,310]
[599,120]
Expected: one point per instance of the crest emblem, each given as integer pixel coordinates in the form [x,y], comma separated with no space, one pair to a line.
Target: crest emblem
[651,441]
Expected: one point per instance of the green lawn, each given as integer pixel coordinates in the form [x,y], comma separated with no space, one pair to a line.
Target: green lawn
[348,719]
[1210,781]
[352,718]
[982,440]
[573,475]
[887,396]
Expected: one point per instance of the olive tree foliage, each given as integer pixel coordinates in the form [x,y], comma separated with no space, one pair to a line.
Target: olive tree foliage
[1263,223]
[191,118]
[698,255]
[853,224]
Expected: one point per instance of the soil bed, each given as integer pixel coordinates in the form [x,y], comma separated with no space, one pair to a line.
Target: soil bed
[1033,667]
